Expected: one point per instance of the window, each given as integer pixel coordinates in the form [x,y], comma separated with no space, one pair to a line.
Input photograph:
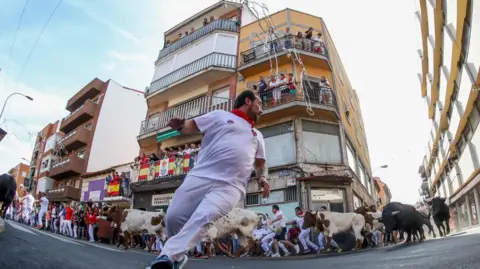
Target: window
[321,142]
[461,144]
[352,161]
[280,144]
[81,154]
[357,134]
[89,126]
[361,171]
[24,174]
[357,202]
[220,96]
[252,199]
[276,197]
[291,194]
[467,132]
[474,119]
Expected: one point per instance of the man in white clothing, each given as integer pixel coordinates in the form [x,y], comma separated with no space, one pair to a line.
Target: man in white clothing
[304,236]
[231,149]
[43,209]
[28,201]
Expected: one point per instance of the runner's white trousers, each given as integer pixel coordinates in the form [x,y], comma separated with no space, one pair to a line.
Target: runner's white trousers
[194,207]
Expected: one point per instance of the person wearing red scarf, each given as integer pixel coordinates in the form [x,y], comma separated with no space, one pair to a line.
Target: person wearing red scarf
[231,149]
[304,236]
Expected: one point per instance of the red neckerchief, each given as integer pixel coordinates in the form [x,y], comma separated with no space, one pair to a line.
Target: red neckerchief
[242,115]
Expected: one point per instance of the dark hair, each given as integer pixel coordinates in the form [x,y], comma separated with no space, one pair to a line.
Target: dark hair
[298,208]
[275,207]
[240,101]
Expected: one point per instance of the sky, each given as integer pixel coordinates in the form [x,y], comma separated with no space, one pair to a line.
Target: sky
[376,40]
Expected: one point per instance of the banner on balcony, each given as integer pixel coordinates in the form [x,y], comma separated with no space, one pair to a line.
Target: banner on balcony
[162,168]
[171,166]
[114,188]
[144,171]
[186,163]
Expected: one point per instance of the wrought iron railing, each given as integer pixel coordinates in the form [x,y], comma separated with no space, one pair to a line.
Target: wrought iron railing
[188,110]
[313,93]
[168,166]
[214,59]
[221,24]
[283,44]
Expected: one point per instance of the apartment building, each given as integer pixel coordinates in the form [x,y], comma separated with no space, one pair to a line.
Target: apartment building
[20,174]
[195,73]
[449,60]
[384,196]
[316,146]
[306,152]
[98,133]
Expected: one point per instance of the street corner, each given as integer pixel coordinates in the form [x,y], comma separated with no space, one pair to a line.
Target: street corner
[312,256]
[2,225]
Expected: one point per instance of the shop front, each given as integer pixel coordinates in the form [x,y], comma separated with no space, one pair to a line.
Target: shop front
[153,200]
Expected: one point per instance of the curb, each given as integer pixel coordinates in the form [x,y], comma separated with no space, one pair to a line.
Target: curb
[2,226]
[315,256]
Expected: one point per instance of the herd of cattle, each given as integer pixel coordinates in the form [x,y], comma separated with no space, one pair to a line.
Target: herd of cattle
[242,222]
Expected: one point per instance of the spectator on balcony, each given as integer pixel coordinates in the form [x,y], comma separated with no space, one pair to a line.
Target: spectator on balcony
[309,33]
[144,159]
[180,36]
[275,88]
[319,46]
[205,22]
[125,184]
[271,39]
[192,30]
[288,39]
[291,84]
[186,33]
[153,158]
[212,19]
[325,91]
[167,43]
[262,85]
[299,44]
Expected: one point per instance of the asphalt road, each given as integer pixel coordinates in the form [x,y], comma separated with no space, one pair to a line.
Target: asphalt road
[23,247]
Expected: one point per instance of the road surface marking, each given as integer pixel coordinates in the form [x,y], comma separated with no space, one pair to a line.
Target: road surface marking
[58,237]
[103,247]
[20,228]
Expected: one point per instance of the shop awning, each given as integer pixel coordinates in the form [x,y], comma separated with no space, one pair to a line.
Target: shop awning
[166,135]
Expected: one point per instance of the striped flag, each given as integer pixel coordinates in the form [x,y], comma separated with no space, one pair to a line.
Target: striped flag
[144,171]
[171,166]
[157,168]
[186,163]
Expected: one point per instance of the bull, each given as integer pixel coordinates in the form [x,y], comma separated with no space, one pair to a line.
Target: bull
[403,218]
[441,214]
[8,186]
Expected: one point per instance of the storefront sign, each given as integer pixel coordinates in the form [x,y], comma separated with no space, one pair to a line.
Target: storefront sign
[326,195]
[161,199]
[291,182]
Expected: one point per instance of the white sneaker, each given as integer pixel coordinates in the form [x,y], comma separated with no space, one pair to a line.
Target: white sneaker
[297,249]
[286,254]
[276,255]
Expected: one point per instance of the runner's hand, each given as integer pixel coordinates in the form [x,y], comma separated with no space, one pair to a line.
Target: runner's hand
[176,123]
[263,184]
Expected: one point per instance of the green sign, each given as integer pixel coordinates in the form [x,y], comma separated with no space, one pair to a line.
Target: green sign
[166,135]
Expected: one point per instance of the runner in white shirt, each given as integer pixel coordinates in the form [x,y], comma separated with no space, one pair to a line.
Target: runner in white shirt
[43,209]
[279,220]
[28,201]
[304,236]
[231,149]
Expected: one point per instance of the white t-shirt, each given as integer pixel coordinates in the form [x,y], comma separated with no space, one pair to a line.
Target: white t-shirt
[259,233]
[44,203]
[28,202]
[229,149]
[299,221]
[282,222]
[274,84]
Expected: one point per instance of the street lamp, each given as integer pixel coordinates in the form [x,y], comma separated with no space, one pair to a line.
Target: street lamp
[25,160]
[6,100]
[381,166]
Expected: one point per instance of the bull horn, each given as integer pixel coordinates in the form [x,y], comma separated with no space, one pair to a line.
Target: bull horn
[395,212]
[266,219]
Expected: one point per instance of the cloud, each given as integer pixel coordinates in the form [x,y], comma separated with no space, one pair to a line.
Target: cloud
[109,66]
[133,57]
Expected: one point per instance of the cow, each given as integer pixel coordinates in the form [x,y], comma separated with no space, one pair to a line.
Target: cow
[133,222]
[8,187]
[403,218]
[239,221]
[333,223]
[441,214]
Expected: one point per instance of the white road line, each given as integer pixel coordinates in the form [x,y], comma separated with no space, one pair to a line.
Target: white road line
[103,247]
[20,228]
[57,237]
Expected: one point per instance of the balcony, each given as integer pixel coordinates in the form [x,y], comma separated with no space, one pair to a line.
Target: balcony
[205,70]
[262,57]
[82,114]
[88,92]
[187,110]
[218,25]
[314,99]
[68,167]
[75,139]
[66,193]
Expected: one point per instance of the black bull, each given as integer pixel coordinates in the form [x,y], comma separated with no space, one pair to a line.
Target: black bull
[404,218]
[8,186]
[441,214]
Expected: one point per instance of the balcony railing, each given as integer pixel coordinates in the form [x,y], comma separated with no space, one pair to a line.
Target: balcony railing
[188,110]
[167,167]
[224,25]
[75,139]
[79,116]
[283,44]
[313,93]
[64,193]
[214,59]
[71,166]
